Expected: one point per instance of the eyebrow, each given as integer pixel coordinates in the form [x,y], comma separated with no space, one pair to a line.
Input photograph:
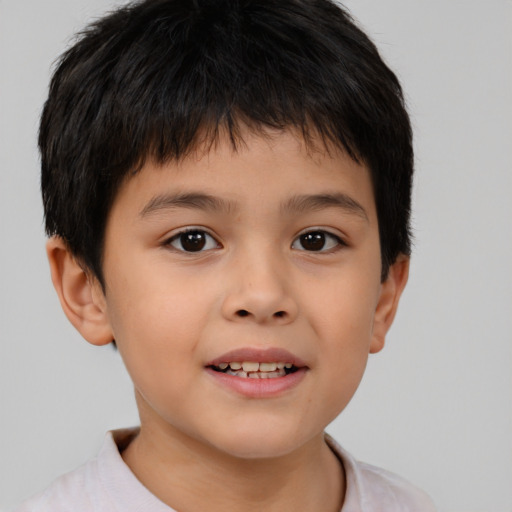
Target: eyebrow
[296,204]
[316,202]
[190,200]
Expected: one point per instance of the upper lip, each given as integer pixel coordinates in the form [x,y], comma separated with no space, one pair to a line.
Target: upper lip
[260,355]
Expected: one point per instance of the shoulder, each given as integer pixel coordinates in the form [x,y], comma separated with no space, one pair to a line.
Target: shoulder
[89,487]
[373,489]
[104,484]
[73,487]
[390,492]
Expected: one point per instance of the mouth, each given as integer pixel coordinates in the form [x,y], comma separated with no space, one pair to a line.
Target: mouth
[258,372]
[255,369]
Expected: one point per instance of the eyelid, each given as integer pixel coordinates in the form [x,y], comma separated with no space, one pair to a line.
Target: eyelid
[167,242]
[339,239]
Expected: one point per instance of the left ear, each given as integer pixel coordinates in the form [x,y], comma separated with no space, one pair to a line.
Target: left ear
[390,293]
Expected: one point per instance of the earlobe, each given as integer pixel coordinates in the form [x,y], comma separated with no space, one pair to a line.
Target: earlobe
[80,294]
[391,291]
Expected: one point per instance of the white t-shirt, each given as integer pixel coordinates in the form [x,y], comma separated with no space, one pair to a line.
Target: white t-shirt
[106,484]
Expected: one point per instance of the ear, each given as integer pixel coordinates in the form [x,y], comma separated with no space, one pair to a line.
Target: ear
[80,294]
[390,293]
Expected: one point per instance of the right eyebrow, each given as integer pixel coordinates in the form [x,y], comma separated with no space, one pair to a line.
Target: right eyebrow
[191,200]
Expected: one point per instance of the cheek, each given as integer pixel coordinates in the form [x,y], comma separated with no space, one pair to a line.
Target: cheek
[342,311]
[342,318]
[156,299]
[156,327]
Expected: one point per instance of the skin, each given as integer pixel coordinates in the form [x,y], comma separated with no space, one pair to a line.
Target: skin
[255,285]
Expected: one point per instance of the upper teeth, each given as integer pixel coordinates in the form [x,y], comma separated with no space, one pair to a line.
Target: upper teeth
[253,366]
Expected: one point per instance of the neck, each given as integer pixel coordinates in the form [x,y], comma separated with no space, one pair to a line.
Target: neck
[187,475]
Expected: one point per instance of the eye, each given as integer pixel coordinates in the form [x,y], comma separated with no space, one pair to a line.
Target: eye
[193,240]
[317,241]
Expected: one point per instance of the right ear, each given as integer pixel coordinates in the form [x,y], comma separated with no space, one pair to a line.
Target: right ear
[81,295]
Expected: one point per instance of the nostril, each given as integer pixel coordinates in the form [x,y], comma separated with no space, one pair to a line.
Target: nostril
[242,313]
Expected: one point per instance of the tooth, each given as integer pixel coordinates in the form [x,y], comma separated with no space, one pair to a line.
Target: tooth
[264,375]
[288,365]
[249,366]
[268,367]
[254,375]
[235,366]
[241,374]
[223,366]
[280,366]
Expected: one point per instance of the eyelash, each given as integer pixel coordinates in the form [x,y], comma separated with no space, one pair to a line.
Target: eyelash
[335,241]
[190,232]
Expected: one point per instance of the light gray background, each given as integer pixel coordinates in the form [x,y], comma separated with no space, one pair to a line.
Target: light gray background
[436,404]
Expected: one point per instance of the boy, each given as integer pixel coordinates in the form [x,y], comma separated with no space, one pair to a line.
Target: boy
[227,191]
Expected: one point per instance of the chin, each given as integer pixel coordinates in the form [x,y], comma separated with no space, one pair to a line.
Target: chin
[259,442]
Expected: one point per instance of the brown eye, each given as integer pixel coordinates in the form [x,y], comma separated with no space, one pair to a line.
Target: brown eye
[316,241]
[313,241]
[193,241]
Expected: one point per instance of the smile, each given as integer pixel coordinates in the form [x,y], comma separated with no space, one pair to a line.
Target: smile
[257,373]
[256,370]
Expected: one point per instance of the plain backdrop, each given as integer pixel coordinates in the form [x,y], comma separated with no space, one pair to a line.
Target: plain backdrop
[436,405]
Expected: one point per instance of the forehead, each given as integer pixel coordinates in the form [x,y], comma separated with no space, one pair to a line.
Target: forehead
[272,168]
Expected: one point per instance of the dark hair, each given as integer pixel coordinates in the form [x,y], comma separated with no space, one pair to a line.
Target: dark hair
[157,78]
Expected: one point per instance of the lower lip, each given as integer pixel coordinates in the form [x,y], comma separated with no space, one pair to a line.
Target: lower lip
[258,388]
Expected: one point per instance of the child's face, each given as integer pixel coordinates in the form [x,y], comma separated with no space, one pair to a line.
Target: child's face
[246,284]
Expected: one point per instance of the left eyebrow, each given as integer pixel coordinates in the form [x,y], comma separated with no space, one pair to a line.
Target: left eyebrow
[190,200]
[315,202]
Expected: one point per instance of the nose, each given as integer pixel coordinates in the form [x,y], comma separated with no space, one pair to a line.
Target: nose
[259,291]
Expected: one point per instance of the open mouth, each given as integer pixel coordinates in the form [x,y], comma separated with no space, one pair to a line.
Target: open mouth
[255,370]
